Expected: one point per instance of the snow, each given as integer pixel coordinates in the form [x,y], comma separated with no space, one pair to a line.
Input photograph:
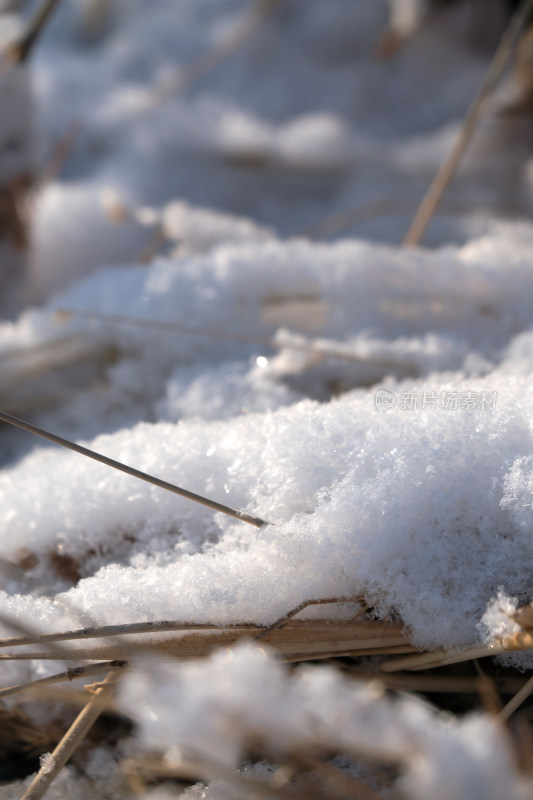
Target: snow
[243,695]
[181,312]
[416,508]
[67,784]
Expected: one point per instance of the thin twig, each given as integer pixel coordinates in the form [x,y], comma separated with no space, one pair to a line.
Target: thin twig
[60,154]
[21,50]
[71,674]
[334,223]
[448,168]
[441,684]
[297,641]
[209,61]
[257,522]
[355,650]
[442,658]
[321,348]
[362,611]
[300,607]
[160,626]
[161,325]
[73,697]
[60,652]
[516,701]
[338,783]
[153,245]
[207,768]
[70,741]
[487,691]
[51,656]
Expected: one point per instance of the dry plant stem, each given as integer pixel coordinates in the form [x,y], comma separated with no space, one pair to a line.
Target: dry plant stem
[69,675]
[212,59]
[335,223]
[448,168]
[64,653]
[487,691]
[524,617]
[60,154]
[23,365]
[153,246]
[75,698]
[205,768]
[360,613]
[50,656]
[523,739]
[59,651]
[300,607]
[327,350]
[22,49]
[442,684]
[158,626]
[353,651]
[70,741]
[323,349]
[440,658]
[516,701]
[297,640]
[155,324]
[184,653]
[338,783]
[135,473]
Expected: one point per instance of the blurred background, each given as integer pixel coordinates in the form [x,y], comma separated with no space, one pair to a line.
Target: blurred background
[321,120]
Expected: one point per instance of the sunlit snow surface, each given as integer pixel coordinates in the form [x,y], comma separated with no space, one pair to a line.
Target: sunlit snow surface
[373,404]
[413,492]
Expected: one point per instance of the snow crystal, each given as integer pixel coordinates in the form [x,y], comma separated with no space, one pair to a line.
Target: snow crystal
[497,621]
